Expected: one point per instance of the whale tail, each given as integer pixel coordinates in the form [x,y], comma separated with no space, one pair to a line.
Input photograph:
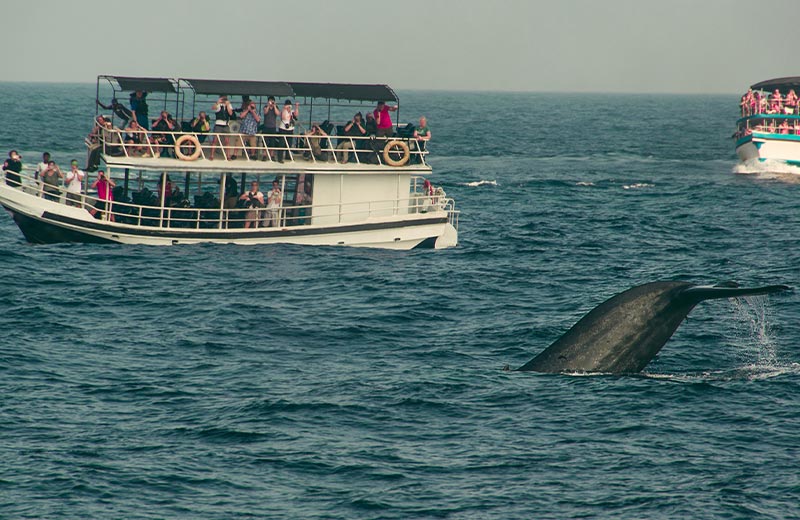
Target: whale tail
[700,293]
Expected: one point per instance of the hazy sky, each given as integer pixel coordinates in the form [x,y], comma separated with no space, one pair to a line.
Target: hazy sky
[684,46]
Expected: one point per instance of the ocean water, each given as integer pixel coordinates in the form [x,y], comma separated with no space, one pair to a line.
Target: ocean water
[300,382]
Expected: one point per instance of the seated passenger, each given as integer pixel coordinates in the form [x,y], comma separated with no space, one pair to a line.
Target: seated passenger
[162,135]
[354,128]
[94,135]
[252,200]
[316,141]
[201,125]
[422,134]
[51,181]
[168,188]
[135,137]
[784,128]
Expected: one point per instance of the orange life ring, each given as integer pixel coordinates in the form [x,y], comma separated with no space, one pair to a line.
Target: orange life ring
[180,142]
[393,147]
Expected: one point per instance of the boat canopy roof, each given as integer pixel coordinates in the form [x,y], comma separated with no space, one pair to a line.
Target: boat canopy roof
[338,91]
[786,83]
[146,84]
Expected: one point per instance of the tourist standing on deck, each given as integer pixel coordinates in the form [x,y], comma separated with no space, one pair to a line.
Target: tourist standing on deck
[270,125]
[223,112]
[104,187]
[139,108]
[274,200]
[12,166]
[383,119]
[50,181]
[249,127]
[74,181]
[288,117]
[42,166]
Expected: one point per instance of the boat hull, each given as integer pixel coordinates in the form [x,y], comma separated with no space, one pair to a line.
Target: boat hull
[766,146]
[45,222]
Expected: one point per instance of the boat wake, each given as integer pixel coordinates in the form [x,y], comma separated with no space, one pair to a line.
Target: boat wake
[475,184]
[768,169]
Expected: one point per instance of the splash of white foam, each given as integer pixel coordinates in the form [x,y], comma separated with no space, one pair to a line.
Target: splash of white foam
[637,186]
[475,184]
[755,344]
[769,169]
[584,183]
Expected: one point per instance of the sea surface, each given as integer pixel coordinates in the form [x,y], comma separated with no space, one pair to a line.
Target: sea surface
[314,382]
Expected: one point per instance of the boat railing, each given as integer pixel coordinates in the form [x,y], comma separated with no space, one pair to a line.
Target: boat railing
[769,124]
[191,146]
[180,214]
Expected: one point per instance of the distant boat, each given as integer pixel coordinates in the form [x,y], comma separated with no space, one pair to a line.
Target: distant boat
[330,188]
[769,126]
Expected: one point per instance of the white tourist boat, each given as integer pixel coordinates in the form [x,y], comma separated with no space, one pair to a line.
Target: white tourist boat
[334,189]
[769,129]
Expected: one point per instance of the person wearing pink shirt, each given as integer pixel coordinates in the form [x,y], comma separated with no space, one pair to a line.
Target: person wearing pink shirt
[104,187]
[383,119]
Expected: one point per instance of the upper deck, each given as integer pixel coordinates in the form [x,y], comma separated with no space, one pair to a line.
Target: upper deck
[186,142]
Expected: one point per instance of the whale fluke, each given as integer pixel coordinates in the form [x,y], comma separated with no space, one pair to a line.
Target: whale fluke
[622,335]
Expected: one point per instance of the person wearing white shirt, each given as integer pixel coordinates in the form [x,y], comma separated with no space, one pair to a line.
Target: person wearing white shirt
[42,166]
[74,181]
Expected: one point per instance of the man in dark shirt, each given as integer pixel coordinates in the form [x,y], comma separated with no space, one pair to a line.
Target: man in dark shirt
[353,128]
[12,166]
[121,111]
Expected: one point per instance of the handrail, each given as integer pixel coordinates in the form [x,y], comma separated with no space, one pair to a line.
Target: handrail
[769,124]
[164,216]
[152,143]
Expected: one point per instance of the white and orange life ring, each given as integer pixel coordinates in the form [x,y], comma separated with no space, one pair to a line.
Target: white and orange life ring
[394,147]
[186,140]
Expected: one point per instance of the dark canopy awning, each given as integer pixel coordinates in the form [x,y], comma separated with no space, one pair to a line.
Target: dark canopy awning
[348,91]
[147,84]
[786,83]
[219,87]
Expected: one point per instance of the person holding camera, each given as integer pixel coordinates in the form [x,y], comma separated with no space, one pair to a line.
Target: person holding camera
[223,112]
[74,181]
[354,128]
[274,201]
[270,125]
[249,128]
[315,141]
[51,179]
[383,119]
[164,125]
[252,200]
[105,195]
[288,117]
[13,166]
